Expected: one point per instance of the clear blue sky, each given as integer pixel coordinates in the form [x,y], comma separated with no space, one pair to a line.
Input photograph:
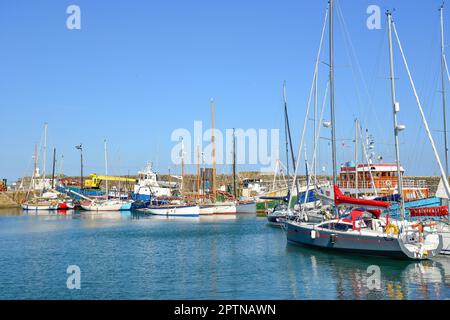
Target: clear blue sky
[137,70]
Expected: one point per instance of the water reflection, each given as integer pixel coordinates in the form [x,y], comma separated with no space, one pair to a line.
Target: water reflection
[347,277]
[135,255]
[11,212]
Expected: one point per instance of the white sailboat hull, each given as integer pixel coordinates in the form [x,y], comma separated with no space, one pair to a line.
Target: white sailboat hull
[206,210]
[225,208]
[39,207]
[106,206]
[444,231]
[182,211]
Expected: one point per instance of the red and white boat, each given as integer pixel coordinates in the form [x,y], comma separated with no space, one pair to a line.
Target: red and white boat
[379,179]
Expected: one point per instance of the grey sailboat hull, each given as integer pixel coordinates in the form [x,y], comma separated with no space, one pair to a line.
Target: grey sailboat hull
[353,243]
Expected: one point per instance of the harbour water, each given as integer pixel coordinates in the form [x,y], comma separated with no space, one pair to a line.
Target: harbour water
[131,256]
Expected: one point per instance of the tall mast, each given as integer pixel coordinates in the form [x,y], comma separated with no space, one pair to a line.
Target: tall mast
[182,166]
[106,168]
[54,167]
[356,158]
[444,116]
[289,137]
[286,139]
[61,166]
[314,123]
[81,168]
[395,109]
[33,181]
[45,155]
[213,141]
[234,165]
[333,124]
[202,174]
[198,169]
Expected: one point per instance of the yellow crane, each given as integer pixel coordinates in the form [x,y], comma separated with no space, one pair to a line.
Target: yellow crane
[95,180]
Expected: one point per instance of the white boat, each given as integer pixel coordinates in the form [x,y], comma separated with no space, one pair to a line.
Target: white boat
[107,205]
[444,231]
[225,208]
[436,217]
[246,207]
[206,209]
[39,206]
[174,210]
[148,185]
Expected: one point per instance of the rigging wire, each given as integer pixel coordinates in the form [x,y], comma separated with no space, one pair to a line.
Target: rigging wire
[309,104]
[425,123]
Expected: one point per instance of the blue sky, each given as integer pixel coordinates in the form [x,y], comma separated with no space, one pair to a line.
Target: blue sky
[138,70]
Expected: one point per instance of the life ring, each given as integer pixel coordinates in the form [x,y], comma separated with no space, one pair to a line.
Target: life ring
[391,229]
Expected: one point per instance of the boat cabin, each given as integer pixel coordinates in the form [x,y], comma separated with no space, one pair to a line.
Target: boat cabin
[383,177]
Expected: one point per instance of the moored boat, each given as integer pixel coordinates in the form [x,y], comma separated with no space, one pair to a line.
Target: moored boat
[225,208]
[44,206]
[106,205]
[362,230]
[206,209]
[174,210]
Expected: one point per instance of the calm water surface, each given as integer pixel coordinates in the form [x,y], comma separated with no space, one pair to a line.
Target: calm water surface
[128,256]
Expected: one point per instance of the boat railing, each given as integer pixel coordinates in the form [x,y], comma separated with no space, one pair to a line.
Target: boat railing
[382,184]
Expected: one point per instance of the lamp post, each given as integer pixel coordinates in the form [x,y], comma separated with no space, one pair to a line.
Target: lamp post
[80,147]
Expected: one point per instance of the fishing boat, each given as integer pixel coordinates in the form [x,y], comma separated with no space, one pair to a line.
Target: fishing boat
[174,210]
[148,186]
[379,179]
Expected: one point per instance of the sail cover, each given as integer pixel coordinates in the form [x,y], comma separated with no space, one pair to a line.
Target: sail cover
[340,198]
[429,211]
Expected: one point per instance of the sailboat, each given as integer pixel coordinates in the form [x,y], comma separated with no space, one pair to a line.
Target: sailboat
[108,204]
[41,194]
[358,226]
[242,206]
[281,212]
[440,212]
[212,206]
[178,208]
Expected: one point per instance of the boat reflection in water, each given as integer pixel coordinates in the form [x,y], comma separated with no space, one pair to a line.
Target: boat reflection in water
[49,213]
[355,277]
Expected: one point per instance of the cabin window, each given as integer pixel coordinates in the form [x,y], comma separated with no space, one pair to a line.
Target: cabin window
[342,226]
